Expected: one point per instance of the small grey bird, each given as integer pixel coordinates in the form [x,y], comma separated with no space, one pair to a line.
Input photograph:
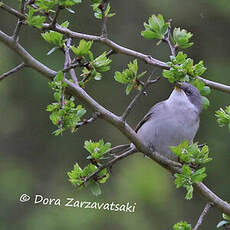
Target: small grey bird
[170,122]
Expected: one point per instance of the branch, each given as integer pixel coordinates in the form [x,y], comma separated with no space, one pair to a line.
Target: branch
[116,121]
[29,60]
[12,11]
[110,163]
[19,22]
[116,48]
[142,91]
[167,39]
[85,121]
[104,4]
[216,85]
[54,20]
[12,71]
[203,214]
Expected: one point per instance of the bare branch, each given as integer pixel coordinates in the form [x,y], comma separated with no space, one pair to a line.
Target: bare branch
[54,20]
[12,11]
[142,91]
[203,214]
[167,39]
[85,121]
[12,71]
[103,7]
[216,85]
[29,60]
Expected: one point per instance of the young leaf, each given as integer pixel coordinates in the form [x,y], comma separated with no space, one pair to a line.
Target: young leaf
[36,21]
[157,28]
[53,38]
[83,48]
[181,38]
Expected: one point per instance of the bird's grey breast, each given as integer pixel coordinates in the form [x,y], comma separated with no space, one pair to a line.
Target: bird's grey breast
[166,125]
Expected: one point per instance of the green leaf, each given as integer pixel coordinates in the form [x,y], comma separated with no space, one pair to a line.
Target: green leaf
[129,76]
[94,188]
[182,225]
[226,217]
[129,88]
[54,38]
[205,102]
[101,63]
[157,28]
[65,24]
[36,21]
[83,48]
[67,3]
[223,117]
[181,38]
[97,149]
[98,12]
[46,5]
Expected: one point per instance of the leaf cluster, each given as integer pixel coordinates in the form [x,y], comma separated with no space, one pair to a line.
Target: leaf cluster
[187,178]
[79,176]
[183,68]
[192,155]
[129,77]
[48,6]
[35,20]
[181,38]
[70,114]
[182,225]
[223,117]
[156,27]
[97,8]
[97,149]
[95,67]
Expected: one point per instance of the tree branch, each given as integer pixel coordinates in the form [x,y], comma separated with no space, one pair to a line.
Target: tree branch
[90,120]
[116,48]
[132,103]
[110,117]
[167,39]
[12,71]
[104,4]
[203,214]
[110,163]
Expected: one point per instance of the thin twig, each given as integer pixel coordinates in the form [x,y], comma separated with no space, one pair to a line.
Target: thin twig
[142,91]
[109,164]
[90,120]
[203,214]
[66,64]
[19,22]
[103,6]
[12,71]
[110,117]
[110,53]
[54,20]
[168,40]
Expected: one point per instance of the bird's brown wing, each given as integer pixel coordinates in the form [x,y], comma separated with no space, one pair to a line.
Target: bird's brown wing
[150,114]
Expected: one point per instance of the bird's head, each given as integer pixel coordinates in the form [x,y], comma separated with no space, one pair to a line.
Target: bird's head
[184,89]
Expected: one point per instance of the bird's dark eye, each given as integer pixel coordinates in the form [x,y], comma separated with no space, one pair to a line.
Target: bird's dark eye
[188,92]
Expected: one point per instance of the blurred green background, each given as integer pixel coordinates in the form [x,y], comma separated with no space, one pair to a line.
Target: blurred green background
[35,162]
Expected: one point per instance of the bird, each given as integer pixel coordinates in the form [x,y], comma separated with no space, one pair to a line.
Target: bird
[172,121]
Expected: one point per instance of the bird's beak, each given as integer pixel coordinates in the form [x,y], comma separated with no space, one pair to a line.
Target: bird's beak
[178,86]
